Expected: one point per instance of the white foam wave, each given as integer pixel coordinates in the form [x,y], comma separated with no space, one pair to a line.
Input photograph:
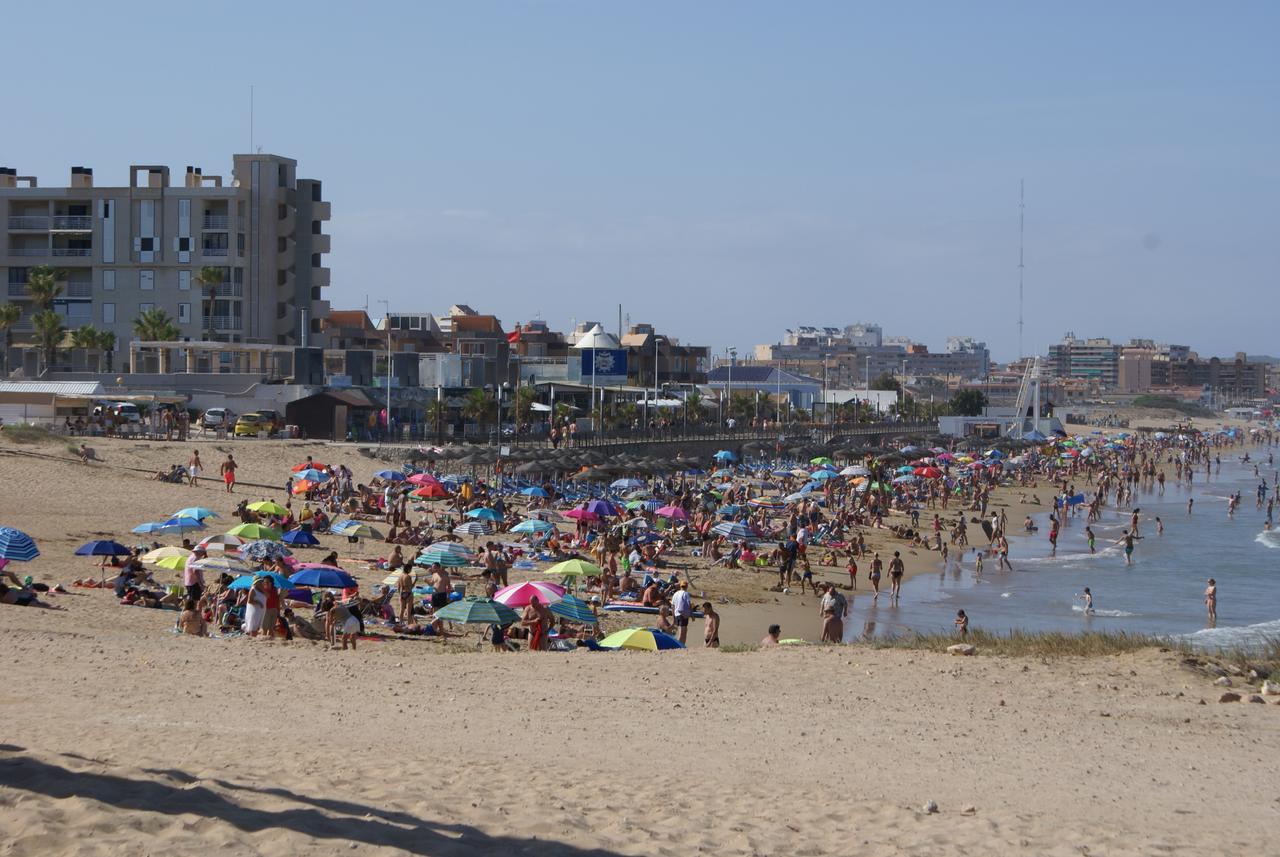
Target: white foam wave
[1111,550]
[1006,594]
[1268,538]
[1233,637]
[1110,614]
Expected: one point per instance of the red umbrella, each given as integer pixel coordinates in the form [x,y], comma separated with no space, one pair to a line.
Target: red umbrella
[928,472]
[298,468]
[581,514]
[423,479]
[430,492]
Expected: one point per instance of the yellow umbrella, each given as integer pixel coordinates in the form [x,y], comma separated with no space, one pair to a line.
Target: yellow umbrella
[173,563]
[154,557]
[266,507]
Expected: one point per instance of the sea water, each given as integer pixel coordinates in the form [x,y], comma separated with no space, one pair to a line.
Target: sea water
[1161,593]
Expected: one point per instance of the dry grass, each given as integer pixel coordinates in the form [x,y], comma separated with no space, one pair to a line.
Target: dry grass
[1029,644]
[27,434]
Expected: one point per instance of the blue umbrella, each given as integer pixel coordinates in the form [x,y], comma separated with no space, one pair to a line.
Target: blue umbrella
[152,527]
[535,491]
[484,513]
[17,546]
[822,475]
[299,537]
[182,524]
[332,578]
[532,526]
[725,455]
[574,609]
[732,530]
[390,475]
[729,509]
[244,581]
[197,512]
[312,475]
[102,547]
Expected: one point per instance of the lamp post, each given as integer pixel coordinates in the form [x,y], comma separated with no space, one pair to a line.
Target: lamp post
[733,356]
[387,321]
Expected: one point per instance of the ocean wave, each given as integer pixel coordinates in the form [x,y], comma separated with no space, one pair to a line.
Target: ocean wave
[1233,637]
[1110,614]
[1111,550]
[1269,538]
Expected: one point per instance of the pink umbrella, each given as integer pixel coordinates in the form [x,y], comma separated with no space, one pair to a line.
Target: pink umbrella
[581,514]
[423,479]
[518,594]
[673,512]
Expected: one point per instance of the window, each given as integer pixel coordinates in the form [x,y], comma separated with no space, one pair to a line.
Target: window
[144,307]
[240,243]
[282,211]
[184,313]
[147,280]
[108,281]
[184,281]
[148,244]
[315,260]
[281,277]
[282,175]
[315,227]
[108,313]
[315,192]
[282,244]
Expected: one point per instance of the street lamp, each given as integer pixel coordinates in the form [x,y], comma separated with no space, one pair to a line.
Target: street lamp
[386,319]
[733,355]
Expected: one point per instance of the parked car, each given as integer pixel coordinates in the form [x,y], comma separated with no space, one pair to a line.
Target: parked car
[217,418]
[249,425]
[272,420]
[126,412]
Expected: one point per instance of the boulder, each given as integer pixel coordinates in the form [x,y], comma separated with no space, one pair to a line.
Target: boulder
[962,649]
[1229,697]
[1270,688]
[1223,682]
[1253,697]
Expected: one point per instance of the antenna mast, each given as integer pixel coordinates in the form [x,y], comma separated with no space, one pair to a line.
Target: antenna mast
[1022,205]
[251,118]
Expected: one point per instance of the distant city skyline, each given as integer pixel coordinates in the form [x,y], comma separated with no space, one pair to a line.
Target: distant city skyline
[723,170]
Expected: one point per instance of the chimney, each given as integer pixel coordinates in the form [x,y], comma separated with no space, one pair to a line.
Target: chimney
[82,177]
[8,177]
[193,177]
[158,178]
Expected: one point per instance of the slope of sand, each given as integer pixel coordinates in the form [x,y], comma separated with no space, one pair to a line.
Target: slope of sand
[121,738]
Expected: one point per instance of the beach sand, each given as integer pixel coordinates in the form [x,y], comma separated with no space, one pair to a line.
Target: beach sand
[121,738]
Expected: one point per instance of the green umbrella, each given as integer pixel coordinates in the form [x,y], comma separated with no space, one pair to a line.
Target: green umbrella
[254,531]
[573,568]
[474,610]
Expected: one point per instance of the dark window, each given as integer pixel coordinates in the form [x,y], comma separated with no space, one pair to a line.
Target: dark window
[315,192]
[283,211]
[148,244]
[281,276]
[237,275]
[106,208]
[240,243]
[315,260]
[184,243]
[18,275]
[282,175]
[315,227]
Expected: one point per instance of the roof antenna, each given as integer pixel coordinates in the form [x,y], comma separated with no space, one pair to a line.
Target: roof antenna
[1022,206]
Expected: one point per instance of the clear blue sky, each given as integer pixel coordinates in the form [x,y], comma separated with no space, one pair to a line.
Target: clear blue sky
[722,169]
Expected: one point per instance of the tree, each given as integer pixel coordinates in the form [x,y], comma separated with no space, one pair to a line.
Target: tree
[524,404]
[968,403]
[564,411]
[693,407]
[476,407]
[107,345]
[49,334]
[209,278]
[42,283]
[886,382]
[10,315]
[154,325]
[86,337]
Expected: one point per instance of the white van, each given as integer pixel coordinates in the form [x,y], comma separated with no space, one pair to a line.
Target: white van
[126,412]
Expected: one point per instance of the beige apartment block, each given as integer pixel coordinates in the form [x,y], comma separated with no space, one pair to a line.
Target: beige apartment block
[120,251]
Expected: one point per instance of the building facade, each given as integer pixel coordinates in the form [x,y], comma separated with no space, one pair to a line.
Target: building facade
[120,251]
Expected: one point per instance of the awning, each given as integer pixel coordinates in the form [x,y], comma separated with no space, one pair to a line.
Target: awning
[354,398]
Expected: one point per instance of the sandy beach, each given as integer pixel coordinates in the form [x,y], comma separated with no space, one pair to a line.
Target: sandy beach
[123,738]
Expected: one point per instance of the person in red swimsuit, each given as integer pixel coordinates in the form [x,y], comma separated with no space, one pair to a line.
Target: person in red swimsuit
[536,619]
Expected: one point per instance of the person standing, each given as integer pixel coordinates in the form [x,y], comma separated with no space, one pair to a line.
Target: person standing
[896,570]
[405,586]
[192,576]
[228,470]
[193,467]
[1211,601]
[254,607]
[270,607]
[682,608]
[711,626]
[833,609]
[537,619]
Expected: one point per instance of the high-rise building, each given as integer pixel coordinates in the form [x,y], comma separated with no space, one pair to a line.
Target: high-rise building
[120,251]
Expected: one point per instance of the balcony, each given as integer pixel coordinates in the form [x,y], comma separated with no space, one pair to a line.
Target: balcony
[75,252]
[29,251]
[72,223]
[213,251]
[216,221]
[222,322]
[79,290]
[320,243]
[229,290]
[321,210]
[29,222]
[19,290]
[320,277]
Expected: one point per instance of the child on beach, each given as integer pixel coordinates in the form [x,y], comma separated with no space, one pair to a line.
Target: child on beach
[852,568]
[1088,601]
[962,624]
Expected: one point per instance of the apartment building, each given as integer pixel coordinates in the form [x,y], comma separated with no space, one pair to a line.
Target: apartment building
[1096,359]
[120,251]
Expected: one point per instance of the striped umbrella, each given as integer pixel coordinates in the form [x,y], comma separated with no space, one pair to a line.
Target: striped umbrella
[222,542]
[574,609]
[766,503]
[17,546]
[219,565]
[442,558]
[474,610]
[520,594]
[473,529]
[732,530]
[532,526]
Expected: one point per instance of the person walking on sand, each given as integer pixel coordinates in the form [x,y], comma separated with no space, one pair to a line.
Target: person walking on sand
[896,570]
[193,467]
[711,626]
[874,575]
[1211,601]
[228,470]
[537,619]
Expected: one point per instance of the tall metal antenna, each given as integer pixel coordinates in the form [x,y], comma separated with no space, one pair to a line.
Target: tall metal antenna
[1022,206]
[251,118]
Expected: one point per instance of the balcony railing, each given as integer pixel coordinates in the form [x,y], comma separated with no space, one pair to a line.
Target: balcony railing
[28,221]
[216,221]
[72,251]
[79,290]
[19,290]
[222,322]
[29,251]
[213,251]
[72,223]
[229,290]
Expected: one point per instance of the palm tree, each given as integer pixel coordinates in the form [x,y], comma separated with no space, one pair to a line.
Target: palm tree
[524,404]
[154,325]
[49,334]
[693,407]
[42,283]
[86,337]
[107,345]
[476,406]
[10,315]
[209,278]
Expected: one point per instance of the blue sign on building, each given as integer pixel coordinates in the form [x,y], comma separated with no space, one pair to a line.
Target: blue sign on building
[609,363]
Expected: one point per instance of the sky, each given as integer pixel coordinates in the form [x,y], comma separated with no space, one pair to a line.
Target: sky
[723,170]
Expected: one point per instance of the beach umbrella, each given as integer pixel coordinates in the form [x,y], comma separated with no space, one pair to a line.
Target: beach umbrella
[625,484]
[254,531]
[102,547]
[534,491]
[452,547]
[907,477]
[302,486]
[433,491]
[766,503]
[314,465]
[264,550]
[474,610]
[732,530]
[580,514]
[443,558]
[603,508]
[821,459]
[153,557]
[267,507]
[389,476]
[197,512]
[574,609]
[725,455]
[422,479]
[355,528]
[822,475]
[221,565]
[182,524]
[221,541]
[639,523]
[574,568]
[473,529]
[675,513]
[244,581]
[484,513]
[151,527]
[329,576]
[299,537]
[310,478]
[173,563]
[520,594]
[545,514]
[393,579]
[532,525]
[641,639]
[928,472]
